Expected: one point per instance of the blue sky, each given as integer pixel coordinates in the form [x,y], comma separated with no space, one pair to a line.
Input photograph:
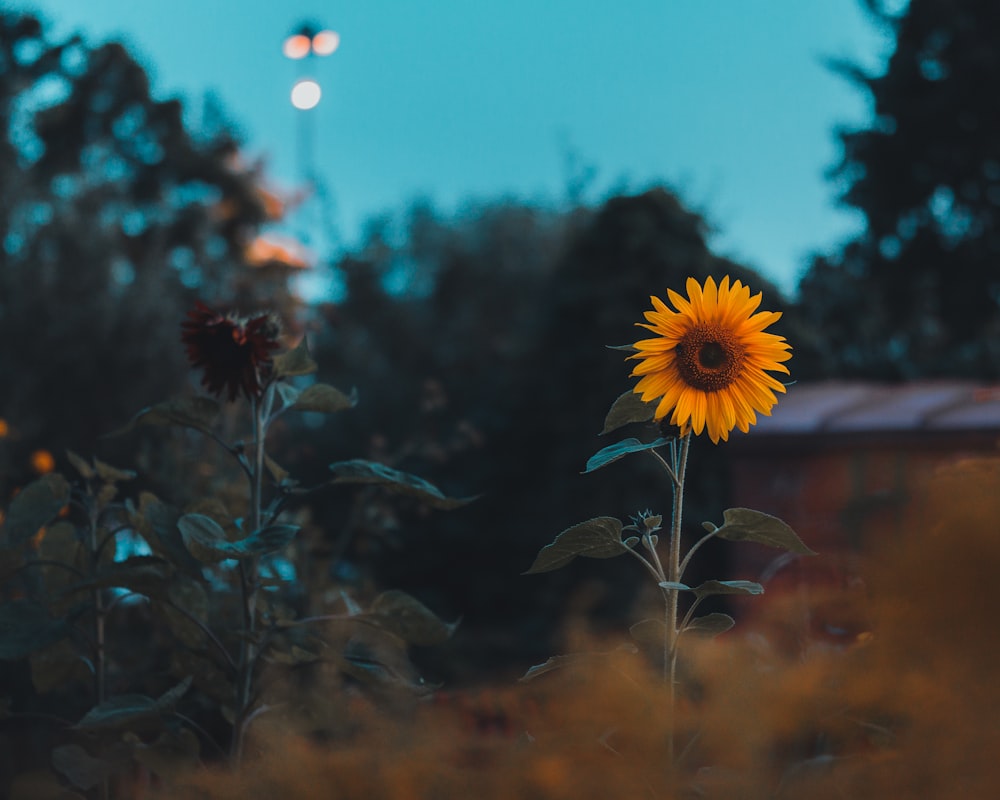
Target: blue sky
[726,100]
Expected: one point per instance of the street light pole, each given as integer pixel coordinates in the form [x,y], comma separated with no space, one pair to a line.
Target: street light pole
[305,44]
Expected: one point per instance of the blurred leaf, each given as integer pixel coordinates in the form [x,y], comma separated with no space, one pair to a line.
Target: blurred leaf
[87,472]
[61,544]
[200,413]
[294,362]
[287,393]
[681,587]
[596,538]
[710,624]
[278,473]
[369,472]
[409,619]
[59,666]
[169,699]
[325,399]
[157,521]
[628,408]
[214,507]
[134,711]
[615,451]
[575,659]
[709,588]
[146,575]
[105,495]
[35,505]
[206,540]
[747,525]
[111,474]
[26,627]
[80,768]
[649,631]
[382,665]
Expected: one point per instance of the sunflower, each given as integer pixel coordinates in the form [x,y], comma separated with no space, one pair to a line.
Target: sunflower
[710,359]
[234,352]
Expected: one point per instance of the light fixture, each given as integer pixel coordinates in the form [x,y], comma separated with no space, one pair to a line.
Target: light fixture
[306,94]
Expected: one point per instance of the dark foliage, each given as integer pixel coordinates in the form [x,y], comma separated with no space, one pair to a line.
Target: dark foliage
[491,374]
[112,215]
[918,292]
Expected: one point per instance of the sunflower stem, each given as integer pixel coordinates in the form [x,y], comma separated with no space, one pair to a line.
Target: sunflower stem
[671,595]
[248,585]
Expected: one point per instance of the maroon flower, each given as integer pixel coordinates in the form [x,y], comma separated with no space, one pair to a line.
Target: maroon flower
[234,352]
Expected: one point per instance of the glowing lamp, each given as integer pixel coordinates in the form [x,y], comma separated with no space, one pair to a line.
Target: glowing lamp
[325,42]
[297,46]
[306,94]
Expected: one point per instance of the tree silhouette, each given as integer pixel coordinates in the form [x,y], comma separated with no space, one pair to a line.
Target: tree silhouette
[918,292]
[113,216]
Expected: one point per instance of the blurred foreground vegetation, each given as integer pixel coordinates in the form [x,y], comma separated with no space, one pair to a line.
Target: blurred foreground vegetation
[477,344]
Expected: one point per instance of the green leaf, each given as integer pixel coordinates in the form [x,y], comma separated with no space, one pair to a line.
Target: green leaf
[169,699]
[36,504]
[600,537]
[628,408]
[649,631]
[200,413]
[80,464]
[625,348]
[709,588]
[615,451]
[324,399]
[125,711]
[369,472]
[294,362]
[710,624]
[157,522]
[408,618]
[146,575]
[680,587]
[26,627]
[574,659]
[380,663]
[111,474]
[132,710]
[206,539]
[747,525]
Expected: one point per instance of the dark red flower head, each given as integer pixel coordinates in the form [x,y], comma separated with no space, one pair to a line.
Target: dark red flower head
[235,353]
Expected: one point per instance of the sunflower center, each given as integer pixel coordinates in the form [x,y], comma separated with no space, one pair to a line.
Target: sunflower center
[709,357]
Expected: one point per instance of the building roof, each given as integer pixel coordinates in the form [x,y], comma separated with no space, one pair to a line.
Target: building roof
[840,407]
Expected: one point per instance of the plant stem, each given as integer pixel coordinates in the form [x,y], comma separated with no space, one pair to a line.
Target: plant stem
[99,644]
[248,587]
[673,575]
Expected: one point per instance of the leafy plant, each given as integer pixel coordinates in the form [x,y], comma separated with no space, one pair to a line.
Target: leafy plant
[214,587]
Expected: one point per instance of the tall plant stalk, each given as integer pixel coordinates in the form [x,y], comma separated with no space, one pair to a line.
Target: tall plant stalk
[248,570]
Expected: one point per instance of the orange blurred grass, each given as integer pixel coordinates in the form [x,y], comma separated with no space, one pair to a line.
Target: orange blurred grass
[907,709]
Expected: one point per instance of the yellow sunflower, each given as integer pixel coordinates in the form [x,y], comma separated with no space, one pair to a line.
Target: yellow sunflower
[710,359]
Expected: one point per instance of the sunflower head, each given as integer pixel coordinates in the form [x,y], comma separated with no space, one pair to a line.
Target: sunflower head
[708,362]
[234,352]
